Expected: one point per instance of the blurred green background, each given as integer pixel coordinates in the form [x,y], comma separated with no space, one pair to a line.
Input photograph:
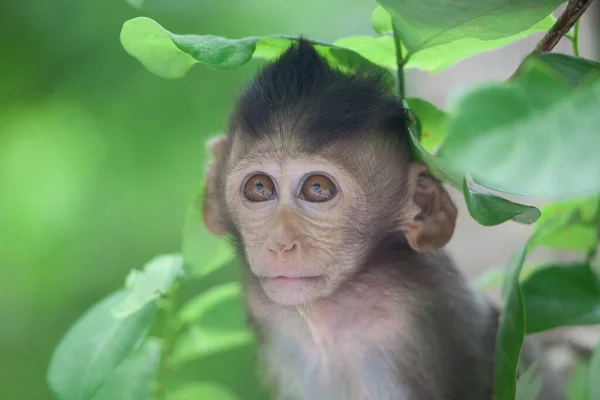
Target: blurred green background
[99,158]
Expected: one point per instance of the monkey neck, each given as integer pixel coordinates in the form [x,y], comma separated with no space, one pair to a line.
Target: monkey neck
[368,306]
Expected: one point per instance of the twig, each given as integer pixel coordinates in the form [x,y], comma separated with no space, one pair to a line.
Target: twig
[575,41]
[399,63]
[563,24]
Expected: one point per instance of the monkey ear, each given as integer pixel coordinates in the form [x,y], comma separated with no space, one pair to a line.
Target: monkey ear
[433,214]
[213,205]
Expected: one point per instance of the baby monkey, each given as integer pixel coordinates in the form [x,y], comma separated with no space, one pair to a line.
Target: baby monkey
[339,231]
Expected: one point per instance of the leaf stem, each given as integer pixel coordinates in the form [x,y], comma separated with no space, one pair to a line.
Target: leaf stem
[563,25]
[594,251]
[399,63]
[169,333]
[575,40]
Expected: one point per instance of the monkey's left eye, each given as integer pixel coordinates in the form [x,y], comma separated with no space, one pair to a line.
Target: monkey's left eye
[318,188]
[259,188]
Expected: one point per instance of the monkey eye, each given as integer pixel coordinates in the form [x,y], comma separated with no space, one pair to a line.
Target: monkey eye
[259,188]
[318,188]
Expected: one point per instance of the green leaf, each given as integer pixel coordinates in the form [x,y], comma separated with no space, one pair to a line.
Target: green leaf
[437,167]
[438,58]
[154,281]
[594,373]
[214,320]
[148,42]
[485,208]
[533,136]
[381,21]
[572,70]
[203,252]
[577,384]
[133,378]
[433,123]
[170,55]
[561,296]
[427,23]
[94,346]
[511,332]
[202,391]
[574,237]
[380,50]
[494,277]
[490,210]
[528,385]
[567,225]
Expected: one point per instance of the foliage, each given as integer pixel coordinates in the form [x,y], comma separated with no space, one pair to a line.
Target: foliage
[533,135]
[95,346]
[546,113]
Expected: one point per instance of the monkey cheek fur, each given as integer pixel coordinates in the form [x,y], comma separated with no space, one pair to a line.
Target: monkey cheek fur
[293,291]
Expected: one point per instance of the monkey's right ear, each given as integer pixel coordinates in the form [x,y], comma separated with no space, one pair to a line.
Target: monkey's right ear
[432,213]
[219,148]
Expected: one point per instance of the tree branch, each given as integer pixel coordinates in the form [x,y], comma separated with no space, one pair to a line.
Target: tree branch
[563,24]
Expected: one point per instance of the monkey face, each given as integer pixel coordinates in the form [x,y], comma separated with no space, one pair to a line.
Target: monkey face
[292,216]
[314,172]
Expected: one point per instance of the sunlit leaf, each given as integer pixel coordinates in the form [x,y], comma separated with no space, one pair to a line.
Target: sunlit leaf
[202,391]
[574,237]
[155,48]
[381,21]
[438,58]
[132,379]
[203,252]
[494,277]
[528,385]
[556,215]
[380,50]
[567,225]
[94,346]
[511,332]
[535,135]
[433,123]
[213,321]
[427,23]
[171,55]
[594,373]
[490,210]
[561,296]
[143,287]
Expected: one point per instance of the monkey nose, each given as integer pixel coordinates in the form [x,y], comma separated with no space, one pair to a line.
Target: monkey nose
[282,247]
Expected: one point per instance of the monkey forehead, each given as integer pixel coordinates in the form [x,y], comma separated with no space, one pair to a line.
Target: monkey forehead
[359,155]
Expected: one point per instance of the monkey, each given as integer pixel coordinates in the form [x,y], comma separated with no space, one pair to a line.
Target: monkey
[340,232]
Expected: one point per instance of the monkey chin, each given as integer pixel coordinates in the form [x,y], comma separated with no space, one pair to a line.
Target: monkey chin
[288,291]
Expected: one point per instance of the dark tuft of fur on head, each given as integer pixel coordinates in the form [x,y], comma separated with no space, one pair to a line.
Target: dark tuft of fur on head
[301,95]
